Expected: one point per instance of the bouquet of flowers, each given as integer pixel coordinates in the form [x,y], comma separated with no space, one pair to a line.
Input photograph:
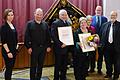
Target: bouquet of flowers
[93,40]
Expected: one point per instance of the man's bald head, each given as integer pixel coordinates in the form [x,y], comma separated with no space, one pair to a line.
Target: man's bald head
[98,10]
[113,16]
[38,10]
[38,14]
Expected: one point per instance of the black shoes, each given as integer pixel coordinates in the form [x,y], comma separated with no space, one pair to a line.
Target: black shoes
[107,76]
[91,71]
[99,72]
[110,77]
[115,77]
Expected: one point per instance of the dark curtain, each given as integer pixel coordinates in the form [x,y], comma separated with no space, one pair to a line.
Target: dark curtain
[23,10]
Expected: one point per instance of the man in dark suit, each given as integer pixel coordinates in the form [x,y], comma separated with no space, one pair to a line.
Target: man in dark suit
[60,49]
[111,45]
[97,22]
[37,40]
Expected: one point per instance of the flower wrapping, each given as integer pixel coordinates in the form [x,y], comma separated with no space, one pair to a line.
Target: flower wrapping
[93,40]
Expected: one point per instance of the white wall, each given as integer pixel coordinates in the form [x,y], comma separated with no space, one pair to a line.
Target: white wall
[110,5]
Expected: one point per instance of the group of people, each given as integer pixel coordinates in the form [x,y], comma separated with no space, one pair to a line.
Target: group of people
[38,37]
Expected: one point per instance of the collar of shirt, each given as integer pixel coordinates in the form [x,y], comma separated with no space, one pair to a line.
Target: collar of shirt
[37,22]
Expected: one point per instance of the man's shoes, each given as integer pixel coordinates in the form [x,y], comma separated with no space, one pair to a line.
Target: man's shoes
[115,77]
[107,76]
[86,74]
[71,66]
[99,72]
[91,71]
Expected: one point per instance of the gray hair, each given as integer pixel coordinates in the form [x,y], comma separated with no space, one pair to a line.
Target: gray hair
[88,17]
[113,12]
[62,11]
[82,18]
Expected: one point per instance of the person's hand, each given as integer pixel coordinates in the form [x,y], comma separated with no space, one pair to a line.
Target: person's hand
[10,55]
[63,45]
[48,49]
[30,51]
[93,44]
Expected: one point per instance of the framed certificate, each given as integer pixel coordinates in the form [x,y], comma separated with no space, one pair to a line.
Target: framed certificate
[84,44]
[65,35]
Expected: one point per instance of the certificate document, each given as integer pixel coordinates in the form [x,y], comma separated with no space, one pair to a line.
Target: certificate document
[84,43]
[65,35]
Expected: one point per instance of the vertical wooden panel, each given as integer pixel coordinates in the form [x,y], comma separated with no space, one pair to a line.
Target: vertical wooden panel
[23,58]
[50,58]
[1,60]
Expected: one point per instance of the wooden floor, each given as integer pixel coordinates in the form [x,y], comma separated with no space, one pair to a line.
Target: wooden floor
[48,72]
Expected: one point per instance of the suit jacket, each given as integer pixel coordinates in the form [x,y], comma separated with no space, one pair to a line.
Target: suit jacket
[54,31]
[94,23]
[9,37]
[116,36]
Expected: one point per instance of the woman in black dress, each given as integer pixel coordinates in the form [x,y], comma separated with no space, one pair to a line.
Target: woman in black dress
[9,42]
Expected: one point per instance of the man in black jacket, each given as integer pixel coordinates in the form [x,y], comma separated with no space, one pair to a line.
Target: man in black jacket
[37,41]
[111,45]
[60,49]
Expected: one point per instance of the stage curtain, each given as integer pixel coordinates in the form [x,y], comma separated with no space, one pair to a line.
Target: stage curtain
[24,9]
[87,6]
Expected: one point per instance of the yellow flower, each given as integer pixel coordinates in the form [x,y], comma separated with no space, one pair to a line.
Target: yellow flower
[90,38]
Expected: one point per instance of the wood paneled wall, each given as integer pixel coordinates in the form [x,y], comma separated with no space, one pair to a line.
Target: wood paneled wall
[23,58]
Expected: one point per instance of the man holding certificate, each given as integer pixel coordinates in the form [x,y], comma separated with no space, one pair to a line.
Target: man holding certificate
[59,36]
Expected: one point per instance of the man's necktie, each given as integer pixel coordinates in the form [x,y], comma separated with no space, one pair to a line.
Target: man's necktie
[65,22]
[98,21]
[110,38]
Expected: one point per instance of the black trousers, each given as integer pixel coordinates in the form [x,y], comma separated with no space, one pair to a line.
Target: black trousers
[80,64]
[37,60]
[100,59]
[92,59]
[111,60]
[61,58]
[70,54]
[9,64]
